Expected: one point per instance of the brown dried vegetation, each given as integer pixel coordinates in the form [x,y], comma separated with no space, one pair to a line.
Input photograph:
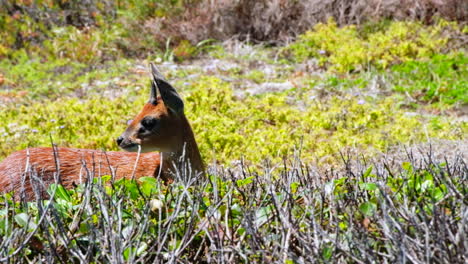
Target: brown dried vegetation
[154,24]
[281,20]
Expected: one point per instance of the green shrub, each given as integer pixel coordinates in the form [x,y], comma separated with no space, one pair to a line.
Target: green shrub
[354,213]
[228,128]
[86,46]
[439,79]
[345,49]
[57,77]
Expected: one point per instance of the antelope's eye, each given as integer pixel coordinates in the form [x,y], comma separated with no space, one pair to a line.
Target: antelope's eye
[149,123]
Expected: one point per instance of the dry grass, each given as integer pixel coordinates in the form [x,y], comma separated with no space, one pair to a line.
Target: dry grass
[281,20]
[268,21]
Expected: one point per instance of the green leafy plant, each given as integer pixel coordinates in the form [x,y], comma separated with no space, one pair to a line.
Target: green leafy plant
[344,49]
[323,127]
[368,214]
[439,79]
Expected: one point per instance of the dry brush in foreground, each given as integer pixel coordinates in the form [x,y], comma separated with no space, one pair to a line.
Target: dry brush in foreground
[383,212]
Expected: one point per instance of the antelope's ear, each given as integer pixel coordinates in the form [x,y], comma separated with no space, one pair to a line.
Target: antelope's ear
[154,93]
[168,93]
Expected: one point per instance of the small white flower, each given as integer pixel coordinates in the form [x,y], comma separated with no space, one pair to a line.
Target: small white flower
[156,204]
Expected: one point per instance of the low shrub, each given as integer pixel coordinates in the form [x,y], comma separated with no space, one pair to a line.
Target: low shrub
[255,127]
[345,49]
[38,79]
[148,25]
[287,213]
[274,21]
[439,79]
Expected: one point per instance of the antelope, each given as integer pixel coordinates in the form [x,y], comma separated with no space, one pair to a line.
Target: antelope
[160,126]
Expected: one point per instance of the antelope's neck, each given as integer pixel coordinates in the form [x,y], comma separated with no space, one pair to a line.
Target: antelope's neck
[185,156]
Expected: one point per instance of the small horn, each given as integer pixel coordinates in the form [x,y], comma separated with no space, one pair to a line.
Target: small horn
[168,93]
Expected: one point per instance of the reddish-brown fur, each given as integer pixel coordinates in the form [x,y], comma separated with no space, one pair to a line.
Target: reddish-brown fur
[74,166]
[172,136]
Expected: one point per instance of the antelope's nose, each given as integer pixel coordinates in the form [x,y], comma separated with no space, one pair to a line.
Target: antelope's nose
[119,140]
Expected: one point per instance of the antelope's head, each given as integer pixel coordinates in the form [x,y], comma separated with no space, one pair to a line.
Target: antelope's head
[160,125]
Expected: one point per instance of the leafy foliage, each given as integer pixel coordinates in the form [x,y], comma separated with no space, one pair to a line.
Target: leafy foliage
[70,72]
[255,128]
[440,79]
[345,49]
[84,31]
[379,213]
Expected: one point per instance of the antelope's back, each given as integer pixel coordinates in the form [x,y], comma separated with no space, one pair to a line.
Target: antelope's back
[75,166]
